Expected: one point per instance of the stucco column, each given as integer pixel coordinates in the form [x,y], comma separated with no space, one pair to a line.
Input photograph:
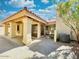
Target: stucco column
[27,27]
[39,30]
[21,29]
[44,30]
[6,29]
[12,29]
[55,35]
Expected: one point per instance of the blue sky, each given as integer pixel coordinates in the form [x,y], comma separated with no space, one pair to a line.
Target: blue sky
[46,9]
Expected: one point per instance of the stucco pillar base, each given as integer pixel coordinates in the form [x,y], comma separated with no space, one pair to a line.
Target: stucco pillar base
[27,41]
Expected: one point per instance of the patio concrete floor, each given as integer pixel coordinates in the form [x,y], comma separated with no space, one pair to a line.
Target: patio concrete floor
[43,45]
[6,44]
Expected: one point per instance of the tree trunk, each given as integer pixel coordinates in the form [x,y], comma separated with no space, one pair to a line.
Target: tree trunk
[76,45]
[77,37]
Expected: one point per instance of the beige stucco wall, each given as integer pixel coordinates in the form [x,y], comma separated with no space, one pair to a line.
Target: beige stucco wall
[1,30]
[62,28]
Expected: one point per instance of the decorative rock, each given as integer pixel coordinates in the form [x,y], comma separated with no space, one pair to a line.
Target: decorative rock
[64,47]
[72,56]
[63,52]
[53,55]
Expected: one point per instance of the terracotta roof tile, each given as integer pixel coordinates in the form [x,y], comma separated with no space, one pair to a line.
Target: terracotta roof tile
[53,21]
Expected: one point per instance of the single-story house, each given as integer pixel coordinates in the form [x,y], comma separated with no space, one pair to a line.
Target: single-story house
[27,25]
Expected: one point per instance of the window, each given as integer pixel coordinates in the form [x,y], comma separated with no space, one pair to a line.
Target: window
[17,27]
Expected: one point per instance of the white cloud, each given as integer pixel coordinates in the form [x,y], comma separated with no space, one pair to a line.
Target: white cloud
[52,7]
[9,13]
[2,11]
[44,1]
[6,14]
[32,9]
[30,3]
[22,3]
[43,15]
[48,9]
[44,10]
[47,13]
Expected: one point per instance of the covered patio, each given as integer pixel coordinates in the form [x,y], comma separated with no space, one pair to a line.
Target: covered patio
[24,29]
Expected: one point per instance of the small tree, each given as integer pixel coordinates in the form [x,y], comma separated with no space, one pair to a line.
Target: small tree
[68,11]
